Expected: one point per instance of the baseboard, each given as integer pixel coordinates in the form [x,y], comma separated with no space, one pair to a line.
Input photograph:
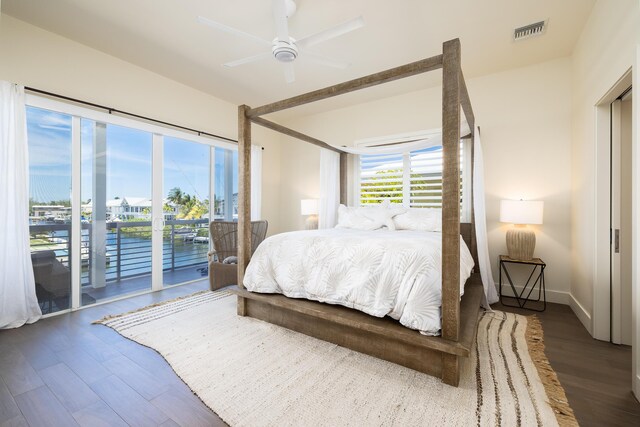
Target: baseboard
[582,314]
[558,297]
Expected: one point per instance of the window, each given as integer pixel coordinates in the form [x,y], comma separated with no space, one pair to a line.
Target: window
[413,179]
[142,198]
[50,170]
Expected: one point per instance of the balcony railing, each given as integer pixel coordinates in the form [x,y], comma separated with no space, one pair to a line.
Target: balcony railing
[185,243]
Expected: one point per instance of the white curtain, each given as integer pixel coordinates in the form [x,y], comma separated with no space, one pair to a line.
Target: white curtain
[256,182]
[329,188]
[18,302]
[481,223]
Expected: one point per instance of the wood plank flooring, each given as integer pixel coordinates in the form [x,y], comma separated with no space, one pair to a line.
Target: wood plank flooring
[63,371]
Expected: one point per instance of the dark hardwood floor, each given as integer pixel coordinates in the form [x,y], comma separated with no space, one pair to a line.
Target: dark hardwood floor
[596,375]
[63,371]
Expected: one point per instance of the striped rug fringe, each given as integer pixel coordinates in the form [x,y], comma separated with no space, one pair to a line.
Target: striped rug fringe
[557,397]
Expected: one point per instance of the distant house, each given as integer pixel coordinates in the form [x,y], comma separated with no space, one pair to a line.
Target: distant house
[50,211]
[128,208]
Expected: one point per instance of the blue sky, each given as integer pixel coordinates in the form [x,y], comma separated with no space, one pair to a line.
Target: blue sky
[186,164]
[49,137]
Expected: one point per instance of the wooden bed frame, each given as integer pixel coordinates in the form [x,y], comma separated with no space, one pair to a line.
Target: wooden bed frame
[383,338]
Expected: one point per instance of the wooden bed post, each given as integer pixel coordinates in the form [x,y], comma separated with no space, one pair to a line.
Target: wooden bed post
[343,178]
[465,103]
[472,219]
[244,200]
[450,204]
[451,189]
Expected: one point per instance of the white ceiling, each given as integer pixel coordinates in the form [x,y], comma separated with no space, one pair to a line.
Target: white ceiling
[164,36]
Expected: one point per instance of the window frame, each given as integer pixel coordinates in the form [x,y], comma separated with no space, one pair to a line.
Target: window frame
[100,116]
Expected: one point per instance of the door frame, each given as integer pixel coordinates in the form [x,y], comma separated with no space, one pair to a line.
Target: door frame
[635,231]
[601,315]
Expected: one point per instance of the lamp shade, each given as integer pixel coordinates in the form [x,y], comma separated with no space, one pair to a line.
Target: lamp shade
[521,211]
[309,206]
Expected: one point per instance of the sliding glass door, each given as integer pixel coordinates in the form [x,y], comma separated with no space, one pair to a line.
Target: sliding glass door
[186,207]
[116,193]
[120,207]
[49,136]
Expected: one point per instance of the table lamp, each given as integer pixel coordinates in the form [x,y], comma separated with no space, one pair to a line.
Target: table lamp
[309,208]
[521,241]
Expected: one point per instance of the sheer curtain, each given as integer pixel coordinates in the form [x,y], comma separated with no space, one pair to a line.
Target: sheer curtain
[329,188]
[480,220]
[256,182]
[18,302]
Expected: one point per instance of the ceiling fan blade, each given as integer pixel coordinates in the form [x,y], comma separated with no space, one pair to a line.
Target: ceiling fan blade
[331,33]
[254,58]
[280,17]
[320,59]
[221,27]
[289,73]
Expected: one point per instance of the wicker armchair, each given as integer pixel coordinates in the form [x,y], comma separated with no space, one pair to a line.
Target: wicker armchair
[223,267]
[53,281]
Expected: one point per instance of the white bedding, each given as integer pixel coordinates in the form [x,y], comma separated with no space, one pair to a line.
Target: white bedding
[380,272]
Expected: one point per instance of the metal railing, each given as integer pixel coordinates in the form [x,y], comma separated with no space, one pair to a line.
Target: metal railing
[185,243]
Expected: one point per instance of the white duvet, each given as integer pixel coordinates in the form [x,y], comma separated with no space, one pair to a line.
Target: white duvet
[380,272]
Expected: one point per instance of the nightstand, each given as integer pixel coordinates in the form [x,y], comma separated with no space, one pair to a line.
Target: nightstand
[524,296]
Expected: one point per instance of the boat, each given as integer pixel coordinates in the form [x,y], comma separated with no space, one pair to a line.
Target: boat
[189,237]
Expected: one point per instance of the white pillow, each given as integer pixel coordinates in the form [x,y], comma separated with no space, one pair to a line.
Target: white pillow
[421,219]
[353,217]
[370,217]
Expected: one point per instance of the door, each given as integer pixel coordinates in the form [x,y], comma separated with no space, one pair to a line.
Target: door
[621,219]
[104,221]
[186,207]
[50,227]
[116,193]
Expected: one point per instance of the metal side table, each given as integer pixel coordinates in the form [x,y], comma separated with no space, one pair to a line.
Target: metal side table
[524,296]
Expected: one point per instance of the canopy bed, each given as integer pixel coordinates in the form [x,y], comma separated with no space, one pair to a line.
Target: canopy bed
[381,337]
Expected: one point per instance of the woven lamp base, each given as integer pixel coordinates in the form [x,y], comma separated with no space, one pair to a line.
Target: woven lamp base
[521,243]
[311,223]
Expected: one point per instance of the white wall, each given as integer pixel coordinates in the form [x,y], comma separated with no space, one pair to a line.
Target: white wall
[37,58]
[603,54]
[525,120]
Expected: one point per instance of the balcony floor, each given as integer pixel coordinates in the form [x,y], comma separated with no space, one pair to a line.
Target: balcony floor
[142,283]
[128,286]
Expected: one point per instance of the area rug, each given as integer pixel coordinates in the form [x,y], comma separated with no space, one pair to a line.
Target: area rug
[252,373]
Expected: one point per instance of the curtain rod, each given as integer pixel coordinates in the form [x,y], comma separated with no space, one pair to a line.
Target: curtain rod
[115,110]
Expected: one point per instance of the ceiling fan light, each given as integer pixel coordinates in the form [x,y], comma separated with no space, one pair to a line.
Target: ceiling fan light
[285,55]
[285,51]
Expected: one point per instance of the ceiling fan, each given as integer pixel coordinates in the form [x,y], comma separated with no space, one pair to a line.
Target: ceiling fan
[284,48]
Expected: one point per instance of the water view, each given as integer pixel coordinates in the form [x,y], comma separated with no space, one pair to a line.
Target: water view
[117,216]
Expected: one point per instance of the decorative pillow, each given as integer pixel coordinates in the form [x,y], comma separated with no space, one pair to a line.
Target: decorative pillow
[353,217]
[368,217]
[421,219]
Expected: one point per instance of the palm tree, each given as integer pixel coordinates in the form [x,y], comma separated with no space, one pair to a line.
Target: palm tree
[176,196]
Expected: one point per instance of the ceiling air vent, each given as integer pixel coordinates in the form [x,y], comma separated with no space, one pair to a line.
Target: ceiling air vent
[530,30]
